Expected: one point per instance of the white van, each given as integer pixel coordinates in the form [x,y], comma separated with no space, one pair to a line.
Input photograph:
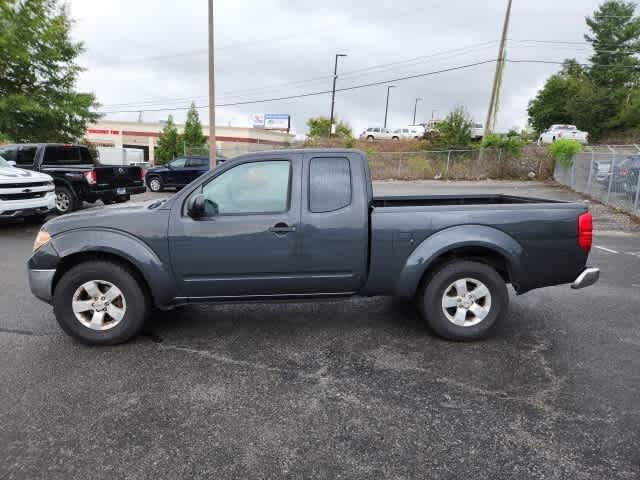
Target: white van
[24,193]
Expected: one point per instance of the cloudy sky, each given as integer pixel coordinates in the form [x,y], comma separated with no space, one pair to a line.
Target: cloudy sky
[151,55]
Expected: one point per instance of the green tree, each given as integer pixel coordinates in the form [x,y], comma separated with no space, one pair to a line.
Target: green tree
[38,74]
[615,38]
[321,126]
[600,96]
[192,136]
[455,129]
[551,104]
[169,144]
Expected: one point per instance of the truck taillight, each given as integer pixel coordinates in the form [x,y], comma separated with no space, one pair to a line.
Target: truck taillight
[141,173]
[585,231]
[91,177]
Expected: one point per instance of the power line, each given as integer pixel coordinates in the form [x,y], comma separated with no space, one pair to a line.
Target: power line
[311,94]
[371,84]
[350,74]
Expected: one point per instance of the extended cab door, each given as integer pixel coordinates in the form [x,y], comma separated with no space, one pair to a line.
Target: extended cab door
[335,222]
[248,243]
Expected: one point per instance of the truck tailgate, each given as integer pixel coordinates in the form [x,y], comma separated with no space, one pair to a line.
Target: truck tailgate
[115,176]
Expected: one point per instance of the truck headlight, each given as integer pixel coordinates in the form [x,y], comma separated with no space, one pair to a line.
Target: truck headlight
[41,239]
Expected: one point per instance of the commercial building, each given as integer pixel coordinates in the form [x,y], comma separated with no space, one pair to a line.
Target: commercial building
[230,141]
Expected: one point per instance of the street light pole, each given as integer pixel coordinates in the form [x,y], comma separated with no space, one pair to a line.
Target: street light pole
[386,109]
[415,109]
[333,92]
[212,90]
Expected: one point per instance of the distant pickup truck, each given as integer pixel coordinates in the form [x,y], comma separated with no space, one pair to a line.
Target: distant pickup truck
[76,174]
[568,132]
[304,224]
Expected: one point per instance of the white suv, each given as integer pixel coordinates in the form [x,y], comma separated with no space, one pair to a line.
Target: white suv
[24,193]
[377,133]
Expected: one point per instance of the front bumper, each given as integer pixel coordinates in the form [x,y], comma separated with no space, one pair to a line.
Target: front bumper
[24,208]
[41,283]
[587,278]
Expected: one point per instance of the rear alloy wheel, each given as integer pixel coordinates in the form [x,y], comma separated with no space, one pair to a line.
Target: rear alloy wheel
[65,200]
[463,300]
[100,302]
[155,184]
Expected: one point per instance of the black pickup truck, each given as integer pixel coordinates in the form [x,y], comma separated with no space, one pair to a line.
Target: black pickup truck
[76,174]
[304,224]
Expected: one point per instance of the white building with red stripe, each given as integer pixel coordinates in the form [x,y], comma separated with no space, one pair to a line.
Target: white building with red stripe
[230,141]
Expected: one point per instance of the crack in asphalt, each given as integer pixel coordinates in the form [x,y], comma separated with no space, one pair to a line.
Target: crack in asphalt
[539,400]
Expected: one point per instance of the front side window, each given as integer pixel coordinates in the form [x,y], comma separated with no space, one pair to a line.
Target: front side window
[251,188]
[329,184]
[178,163]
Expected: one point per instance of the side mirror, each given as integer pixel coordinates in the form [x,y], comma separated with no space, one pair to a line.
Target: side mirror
[11,163]
[196,206]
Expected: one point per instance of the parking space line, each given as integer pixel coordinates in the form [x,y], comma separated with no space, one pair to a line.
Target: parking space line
[606,249]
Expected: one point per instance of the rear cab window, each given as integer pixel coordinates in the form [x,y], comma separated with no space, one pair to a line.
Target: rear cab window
[329,184]
[65,155]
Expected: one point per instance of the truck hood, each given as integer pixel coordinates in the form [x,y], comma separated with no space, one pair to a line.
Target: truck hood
[18,175]
[128,217]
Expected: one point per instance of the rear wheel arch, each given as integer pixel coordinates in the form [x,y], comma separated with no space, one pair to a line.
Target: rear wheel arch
[475,253]
[474,242]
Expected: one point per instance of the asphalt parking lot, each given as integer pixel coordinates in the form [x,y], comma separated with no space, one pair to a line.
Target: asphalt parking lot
[338,389]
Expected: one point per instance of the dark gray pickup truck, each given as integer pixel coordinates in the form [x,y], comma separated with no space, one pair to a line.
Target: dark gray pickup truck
[304,224]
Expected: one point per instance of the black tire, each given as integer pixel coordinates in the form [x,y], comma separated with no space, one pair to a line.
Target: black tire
[123,198]
[370,138]
[155,184]
[437,285]
[108,201]
[137,302]
[395,138]
[66,200]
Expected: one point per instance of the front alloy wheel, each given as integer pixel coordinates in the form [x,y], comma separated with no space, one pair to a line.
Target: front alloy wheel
[99,305]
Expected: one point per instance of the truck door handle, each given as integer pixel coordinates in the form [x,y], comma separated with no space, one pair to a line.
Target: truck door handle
[282,229]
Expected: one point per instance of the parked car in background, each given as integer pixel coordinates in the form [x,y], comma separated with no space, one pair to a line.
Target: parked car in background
[304,224]
[628,173]
[77,176]
[377,133]
[477,131]
[178,172]
[410,132]
[557,132]
[601,171]
[24,193]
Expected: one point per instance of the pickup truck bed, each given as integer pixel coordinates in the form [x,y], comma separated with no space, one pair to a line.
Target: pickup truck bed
[293,224]
[435,200]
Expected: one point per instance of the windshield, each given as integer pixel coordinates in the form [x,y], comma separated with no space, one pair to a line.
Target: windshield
[4,163]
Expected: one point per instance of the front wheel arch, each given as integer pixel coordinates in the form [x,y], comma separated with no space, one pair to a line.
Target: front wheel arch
[67,263]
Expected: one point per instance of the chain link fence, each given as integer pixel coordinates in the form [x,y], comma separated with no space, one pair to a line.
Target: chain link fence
[610,174]
[459,165]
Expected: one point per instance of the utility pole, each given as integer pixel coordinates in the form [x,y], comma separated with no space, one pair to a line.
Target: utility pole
[212,90]
[386,109]
[333,92]
[415,109]
[493,102]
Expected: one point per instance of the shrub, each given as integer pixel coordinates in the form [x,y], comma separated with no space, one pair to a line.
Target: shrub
[420,167]
[350,142]
[563,151]
[511,145]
